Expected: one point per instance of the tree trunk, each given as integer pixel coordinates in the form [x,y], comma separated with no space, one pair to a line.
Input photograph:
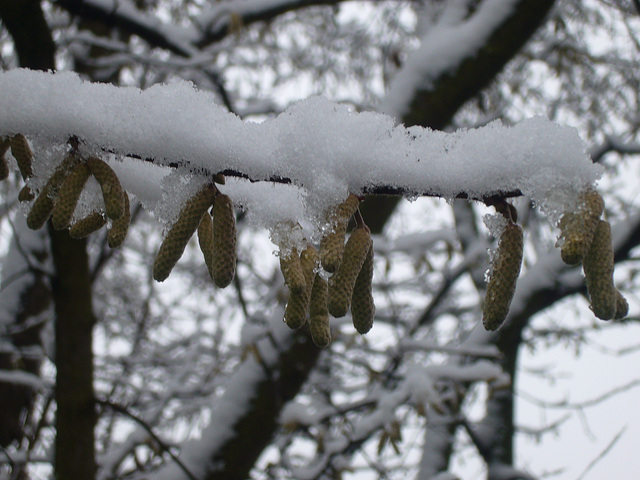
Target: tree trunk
[70,283]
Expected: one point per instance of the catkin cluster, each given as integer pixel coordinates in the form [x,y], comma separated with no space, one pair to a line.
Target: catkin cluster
[586,238]
[21,152]
[58,198]
[216,236]
[312,297]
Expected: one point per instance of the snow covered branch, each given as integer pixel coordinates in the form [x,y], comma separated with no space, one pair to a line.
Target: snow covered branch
[323,149]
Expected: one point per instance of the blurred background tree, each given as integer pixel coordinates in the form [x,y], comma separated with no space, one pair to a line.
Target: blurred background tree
[207,385]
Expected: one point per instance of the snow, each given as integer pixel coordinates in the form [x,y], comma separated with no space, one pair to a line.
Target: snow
[323,148]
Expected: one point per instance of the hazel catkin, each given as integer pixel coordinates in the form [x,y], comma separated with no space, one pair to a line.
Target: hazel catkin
[119,228]
[577,228]
[224,241]
[622,306]
[342,283]
[178,236]
[68,195]
[25,194]
[4,166]
[43,205]
[295,312]
[332,244]
[21,151]
[112,191]
[598,268]
[89,224]
[502,283]
[309,262]
[319,325]
[363,308]
[292,272]
[205,241]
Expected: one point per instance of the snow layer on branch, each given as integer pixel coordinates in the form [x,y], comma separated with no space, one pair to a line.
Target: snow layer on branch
[325,149]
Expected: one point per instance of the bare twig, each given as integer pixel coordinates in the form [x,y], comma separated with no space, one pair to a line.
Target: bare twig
[163,445]
[602,454]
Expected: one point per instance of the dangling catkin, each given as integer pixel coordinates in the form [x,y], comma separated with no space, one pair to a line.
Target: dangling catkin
[112,191]
[89,224]
[318,313]
[502,284]
[119,228]
[342,283]
[309,262]
[362,307]
[332,244]
[43,205]
[68,195]
[292,272]
[622,307]
[224,241]
[295,313]
[21,151]
[4,166]
[25,194]
[205,241]
[577,227]
[178,236]
[598,271]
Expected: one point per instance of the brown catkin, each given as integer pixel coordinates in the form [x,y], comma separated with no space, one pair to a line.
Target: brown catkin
[362,307]
[309,262]
[332,244]
[320,328]
[21,151]
[318,314]
[119,228]
[224,241]
[25,194]
[598,270]
[112,191]
[205,241]
[89,224]
[502,284]
[4,166]
[292,272]
[178,236]
[68,195]
[622,307]
[577,227]
[295,313]
[342,283]
[44,203]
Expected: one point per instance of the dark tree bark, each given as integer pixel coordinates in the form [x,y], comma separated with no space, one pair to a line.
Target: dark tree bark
[75,414]
[71,285]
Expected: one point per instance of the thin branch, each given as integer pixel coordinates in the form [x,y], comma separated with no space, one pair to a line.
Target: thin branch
[602,454]
[164,446]
[563,404]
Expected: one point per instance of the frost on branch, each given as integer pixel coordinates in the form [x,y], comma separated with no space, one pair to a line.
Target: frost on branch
[305,169]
